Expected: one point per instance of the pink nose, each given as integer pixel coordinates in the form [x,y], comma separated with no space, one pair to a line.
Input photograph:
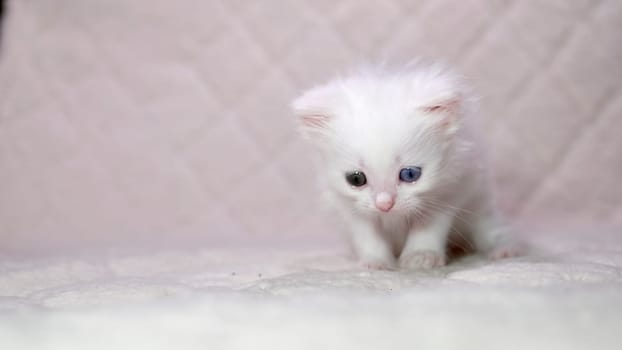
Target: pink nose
[385,201]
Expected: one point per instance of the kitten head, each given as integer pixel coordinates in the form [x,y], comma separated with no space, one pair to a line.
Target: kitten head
[388,140]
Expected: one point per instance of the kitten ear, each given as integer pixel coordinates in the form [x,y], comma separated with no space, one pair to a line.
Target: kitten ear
[314,112]
[313,120]
[446,111]
[444,106]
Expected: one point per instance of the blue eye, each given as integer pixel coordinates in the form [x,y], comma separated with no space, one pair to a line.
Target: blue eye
[410,174]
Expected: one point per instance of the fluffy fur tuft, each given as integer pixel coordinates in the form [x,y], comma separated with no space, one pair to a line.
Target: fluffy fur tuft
[378,122]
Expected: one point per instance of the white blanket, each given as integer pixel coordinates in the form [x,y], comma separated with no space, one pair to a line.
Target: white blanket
[567,294]
[166,123]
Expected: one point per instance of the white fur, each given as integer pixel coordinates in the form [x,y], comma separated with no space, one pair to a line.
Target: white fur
[378,121]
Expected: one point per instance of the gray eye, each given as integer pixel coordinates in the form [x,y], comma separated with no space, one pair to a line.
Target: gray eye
[410,174]
[356,178]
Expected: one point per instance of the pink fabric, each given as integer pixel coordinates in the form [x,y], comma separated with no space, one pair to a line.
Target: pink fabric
[157,122]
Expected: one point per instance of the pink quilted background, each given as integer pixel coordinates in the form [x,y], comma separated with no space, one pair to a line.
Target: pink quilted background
[151,122]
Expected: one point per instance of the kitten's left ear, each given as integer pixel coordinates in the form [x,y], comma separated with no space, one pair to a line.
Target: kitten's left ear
[445,110]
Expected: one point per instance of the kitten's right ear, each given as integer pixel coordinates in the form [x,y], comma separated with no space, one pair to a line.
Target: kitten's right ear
[314,112]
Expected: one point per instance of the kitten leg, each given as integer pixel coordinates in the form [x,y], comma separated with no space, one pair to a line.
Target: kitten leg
[492,237]
[372,249]
[425,246]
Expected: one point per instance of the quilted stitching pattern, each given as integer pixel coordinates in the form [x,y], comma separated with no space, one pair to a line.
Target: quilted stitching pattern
[134,119]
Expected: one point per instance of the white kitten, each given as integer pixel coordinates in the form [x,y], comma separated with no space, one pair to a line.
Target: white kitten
[401,165]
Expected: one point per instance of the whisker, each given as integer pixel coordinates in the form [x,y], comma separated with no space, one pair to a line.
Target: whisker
[449,211]
[464,239]
[447,205]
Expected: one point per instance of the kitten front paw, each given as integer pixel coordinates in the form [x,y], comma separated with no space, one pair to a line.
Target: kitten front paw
[377,264]
[422,260]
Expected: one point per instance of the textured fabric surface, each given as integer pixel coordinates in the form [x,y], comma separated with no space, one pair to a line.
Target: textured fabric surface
[129,124]
[146,121]
[565,295]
